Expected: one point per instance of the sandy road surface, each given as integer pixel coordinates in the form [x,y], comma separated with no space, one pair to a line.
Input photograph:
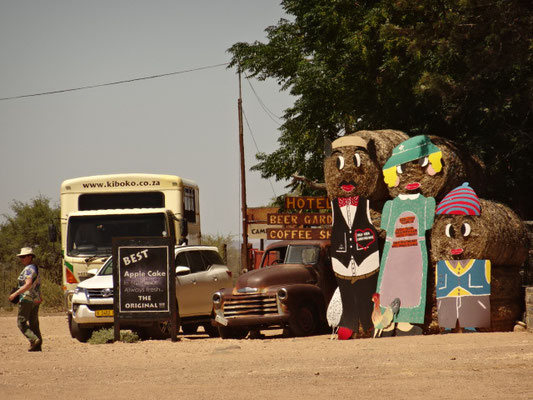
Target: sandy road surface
[458,366]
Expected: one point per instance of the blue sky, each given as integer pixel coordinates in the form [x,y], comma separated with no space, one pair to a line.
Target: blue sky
[184,124]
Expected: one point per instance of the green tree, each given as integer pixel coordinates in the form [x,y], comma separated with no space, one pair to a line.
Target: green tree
[230,254]
[460,69]
[28,227]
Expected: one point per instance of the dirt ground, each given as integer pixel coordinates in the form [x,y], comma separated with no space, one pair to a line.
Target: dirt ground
[459,366]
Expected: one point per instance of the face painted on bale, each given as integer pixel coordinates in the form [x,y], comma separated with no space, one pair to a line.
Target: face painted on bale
[454,237]
[350,171]
[412,166]
[412,177]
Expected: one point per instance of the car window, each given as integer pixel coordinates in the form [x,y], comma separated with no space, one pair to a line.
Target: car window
[274,256]
[196,261]
[181,260]
[212,257]
[107,269]
[302,254]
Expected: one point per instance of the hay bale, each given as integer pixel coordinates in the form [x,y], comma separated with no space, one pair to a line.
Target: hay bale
[368,177]
[458,166]
[504,314]
[497,235]
[506,283]
[384,141]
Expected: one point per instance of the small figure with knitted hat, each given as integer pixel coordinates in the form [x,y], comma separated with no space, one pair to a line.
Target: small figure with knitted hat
[462,284]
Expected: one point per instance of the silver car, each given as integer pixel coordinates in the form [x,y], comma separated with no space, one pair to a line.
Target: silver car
[199,273]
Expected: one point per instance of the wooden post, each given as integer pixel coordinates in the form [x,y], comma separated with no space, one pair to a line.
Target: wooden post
[244,250]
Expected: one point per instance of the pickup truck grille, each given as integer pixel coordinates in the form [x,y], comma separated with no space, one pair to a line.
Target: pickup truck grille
[250,306]
[100,293]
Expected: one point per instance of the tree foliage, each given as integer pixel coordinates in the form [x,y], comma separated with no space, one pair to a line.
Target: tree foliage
[28,227]
[461,69]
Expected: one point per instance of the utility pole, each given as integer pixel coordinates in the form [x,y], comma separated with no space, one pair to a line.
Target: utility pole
[244,250]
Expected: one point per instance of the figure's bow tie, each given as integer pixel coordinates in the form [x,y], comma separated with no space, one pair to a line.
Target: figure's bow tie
[348,201]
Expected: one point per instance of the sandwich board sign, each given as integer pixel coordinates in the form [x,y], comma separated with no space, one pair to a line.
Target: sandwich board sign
[144,283]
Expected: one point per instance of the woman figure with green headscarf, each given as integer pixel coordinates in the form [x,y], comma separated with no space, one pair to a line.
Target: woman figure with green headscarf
[406,218]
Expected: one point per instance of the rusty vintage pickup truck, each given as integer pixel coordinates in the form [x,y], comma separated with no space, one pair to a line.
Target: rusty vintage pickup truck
[290,290]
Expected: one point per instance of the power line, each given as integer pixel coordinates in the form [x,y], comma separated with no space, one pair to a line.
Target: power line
[114,83]
[257,148]
[270,114]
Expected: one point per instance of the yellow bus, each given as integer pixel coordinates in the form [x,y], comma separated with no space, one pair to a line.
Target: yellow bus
[94,209]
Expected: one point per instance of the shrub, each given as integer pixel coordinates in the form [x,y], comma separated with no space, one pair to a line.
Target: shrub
[107,335]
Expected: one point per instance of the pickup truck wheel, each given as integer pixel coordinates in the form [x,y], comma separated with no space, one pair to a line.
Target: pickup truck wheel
[303,321]
[232,332]
[78,332]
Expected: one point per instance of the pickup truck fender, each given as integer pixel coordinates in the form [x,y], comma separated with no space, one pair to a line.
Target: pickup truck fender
[301,293]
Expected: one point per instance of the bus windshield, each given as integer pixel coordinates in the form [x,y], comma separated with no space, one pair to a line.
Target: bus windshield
[91,235]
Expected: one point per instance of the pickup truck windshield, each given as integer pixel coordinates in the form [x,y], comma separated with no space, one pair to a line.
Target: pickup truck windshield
[304,254]
[91,235]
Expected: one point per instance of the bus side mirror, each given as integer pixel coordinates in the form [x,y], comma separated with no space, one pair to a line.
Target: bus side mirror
[184,231]
[184,227]
[52,233]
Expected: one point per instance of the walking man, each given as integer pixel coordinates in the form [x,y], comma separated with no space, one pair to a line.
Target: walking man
[29,290]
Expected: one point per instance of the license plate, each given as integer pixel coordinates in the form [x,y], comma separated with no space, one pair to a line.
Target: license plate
[103,313]
[221,320]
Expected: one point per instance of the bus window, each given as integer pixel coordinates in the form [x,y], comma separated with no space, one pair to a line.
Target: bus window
[108,201]
[189,209]
[92,235]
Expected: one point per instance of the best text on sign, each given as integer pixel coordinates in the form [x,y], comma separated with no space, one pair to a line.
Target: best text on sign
[143,275]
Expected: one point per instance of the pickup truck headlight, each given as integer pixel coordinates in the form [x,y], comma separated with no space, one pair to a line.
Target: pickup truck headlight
[80,290]
[283,294]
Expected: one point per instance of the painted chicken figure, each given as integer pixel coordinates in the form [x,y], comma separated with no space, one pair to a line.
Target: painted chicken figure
[383,320]
[334,312]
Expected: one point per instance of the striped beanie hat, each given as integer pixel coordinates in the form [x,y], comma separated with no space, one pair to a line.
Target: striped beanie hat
[460,201]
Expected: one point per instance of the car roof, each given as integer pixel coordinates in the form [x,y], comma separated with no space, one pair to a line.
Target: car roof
[285,243]
[179,249]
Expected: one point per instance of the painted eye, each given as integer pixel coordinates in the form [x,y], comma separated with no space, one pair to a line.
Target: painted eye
[465,229]
[357,160]
[340,162]
[399,169]
[450,232]
[423,161]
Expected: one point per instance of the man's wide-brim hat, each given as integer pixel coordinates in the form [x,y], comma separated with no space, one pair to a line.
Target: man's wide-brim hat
[26,251]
